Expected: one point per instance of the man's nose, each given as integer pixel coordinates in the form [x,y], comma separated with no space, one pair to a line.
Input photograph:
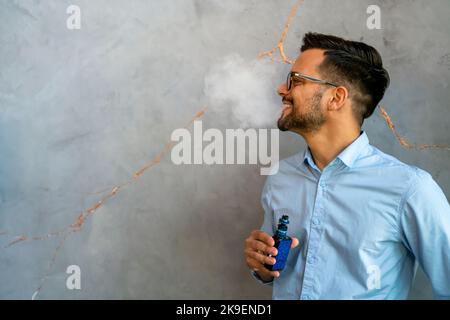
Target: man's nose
[282,90]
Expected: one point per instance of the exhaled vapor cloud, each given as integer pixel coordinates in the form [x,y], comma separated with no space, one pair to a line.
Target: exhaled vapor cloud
[247,89]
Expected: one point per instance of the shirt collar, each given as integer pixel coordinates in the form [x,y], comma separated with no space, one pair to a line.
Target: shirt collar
[348,156]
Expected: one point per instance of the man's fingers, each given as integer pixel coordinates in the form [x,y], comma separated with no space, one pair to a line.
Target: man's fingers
[260,246]
[264,237]
[256,266]
[259,257]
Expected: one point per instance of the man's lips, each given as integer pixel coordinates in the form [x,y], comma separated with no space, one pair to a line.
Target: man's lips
[286,106]
[287,103]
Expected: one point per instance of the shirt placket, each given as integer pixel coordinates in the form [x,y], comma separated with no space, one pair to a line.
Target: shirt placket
[309,287]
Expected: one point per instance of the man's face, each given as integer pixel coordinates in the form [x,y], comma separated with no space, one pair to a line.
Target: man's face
[302,107]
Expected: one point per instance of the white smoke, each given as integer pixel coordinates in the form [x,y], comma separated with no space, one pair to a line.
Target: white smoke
[247,89]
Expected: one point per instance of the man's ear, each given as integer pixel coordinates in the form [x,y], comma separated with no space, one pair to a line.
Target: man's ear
[338,98]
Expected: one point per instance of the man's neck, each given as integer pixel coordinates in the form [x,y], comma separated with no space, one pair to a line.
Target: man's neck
[327,143]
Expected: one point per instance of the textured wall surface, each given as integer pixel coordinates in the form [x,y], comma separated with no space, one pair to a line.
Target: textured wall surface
[81,110]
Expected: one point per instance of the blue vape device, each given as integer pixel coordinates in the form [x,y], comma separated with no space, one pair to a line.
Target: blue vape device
[283,245]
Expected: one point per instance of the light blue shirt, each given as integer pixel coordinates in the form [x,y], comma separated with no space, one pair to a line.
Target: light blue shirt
[364,223]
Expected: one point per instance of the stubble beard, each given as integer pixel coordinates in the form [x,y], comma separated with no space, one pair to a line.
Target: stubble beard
[310,120]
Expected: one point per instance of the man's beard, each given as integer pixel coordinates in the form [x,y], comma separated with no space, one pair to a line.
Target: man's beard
[309,121]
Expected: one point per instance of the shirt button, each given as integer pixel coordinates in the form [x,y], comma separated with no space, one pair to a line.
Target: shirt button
[316,221]
[322,184]
[306,297]
[311,260]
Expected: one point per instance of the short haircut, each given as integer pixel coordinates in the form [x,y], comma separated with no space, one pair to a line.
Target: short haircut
[352,64]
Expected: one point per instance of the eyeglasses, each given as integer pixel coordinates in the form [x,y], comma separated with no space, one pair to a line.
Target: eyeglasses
[308,78]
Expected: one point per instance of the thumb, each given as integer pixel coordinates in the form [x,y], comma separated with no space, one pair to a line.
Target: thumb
[294,243]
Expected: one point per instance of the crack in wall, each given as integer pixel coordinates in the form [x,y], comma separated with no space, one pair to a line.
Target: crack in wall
[83,216]
[403,141]
[280,44]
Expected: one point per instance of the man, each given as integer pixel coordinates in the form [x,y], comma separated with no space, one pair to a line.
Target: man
[360,219]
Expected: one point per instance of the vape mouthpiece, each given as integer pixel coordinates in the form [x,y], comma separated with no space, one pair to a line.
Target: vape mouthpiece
[284,219]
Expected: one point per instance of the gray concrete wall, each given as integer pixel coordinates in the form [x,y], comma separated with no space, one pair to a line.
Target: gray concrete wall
[81,110]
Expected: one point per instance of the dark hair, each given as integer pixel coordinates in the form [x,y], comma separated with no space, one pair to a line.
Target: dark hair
[355,65]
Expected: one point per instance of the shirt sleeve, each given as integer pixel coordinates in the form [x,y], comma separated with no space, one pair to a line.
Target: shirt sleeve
[257,277]
[267,225]
[425,224]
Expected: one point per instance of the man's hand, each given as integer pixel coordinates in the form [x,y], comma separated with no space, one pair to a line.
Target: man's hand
[257,248]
